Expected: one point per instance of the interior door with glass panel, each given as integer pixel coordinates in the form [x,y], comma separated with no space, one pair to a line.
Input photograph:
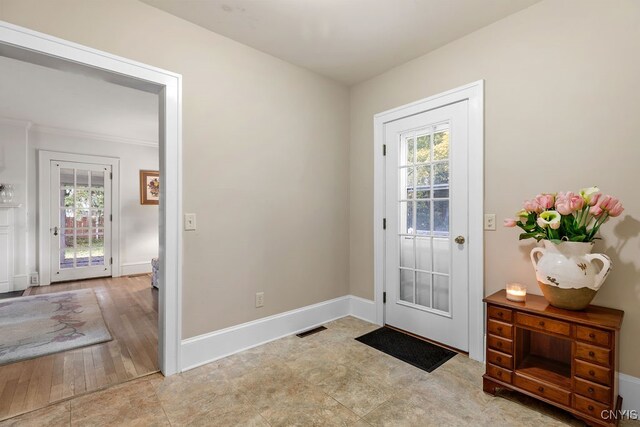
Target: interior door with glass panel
[80,221]
[426,209]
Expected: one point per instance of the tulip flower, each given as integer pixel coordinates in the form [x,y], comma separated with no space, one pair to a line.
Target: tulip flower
[509,222]
[549,219]
[546,200]
[568,203]
[533,206]
[590,195]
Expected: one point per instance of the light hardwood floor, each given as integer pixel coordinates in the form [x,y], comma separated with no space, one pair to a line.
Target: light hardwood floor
[130,309]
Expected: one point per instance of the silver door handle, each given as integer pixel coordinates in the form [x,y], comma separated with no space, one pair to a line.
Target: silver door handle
[459,240]
[55,231]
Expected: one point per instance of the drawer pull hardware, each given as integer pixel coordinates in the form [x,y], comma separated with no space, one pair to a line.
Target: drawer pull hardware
[499,373]
[499,359]
[499,343]
[591,390]
[590,407]
[499,328]
[592,335]
[541,389]
[592,373]
[541,323]
[591,354]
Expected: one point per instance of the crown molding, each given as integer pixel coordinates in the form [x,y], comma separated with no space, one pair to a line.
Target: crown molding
[51,130]
[8,121]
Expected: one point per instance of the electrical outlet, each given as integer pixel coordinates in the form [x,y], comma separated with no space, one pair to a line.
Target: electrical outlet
[490,222]
[259,299]
[190,222]
[34,279]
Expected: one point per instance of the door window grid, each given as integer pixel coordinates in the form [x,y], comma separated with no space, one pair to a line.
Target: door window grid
[424,217]
[82,218]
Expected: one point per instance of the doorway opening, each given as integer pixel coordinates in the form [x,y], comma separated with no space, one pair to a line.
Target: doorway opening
[90,242]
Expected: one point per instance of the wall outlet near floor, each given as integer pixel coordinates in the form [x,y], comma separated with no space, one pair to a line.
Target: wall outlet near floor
[34,279]
[189,221]
[489,221]
[259,299]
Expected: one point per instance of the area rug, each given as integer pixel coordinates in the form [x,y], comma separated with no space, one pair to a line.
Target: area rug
[416,352]
[37,325]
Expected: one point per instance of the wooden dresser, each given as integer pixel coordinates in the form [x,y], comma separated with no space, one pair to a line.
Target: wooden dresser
[568,359]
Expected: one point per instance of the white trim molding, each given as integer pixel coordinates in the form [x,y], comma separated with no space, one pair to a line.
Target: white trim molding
[133,268]
[363,309]
[74,133]
[629,389]
[215,345]
[474,94]
[43,49]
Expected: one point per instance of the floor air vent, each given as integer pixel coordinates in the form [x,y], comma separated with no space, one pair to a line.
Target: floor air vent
[311,332]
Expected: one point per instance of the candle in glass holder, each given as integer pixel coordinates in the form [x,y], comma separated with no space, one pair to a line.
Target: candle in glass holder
[516,292]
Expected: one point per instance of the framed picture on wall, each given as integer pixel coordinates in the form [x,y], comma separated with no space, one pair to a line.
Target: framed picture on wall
[149,187]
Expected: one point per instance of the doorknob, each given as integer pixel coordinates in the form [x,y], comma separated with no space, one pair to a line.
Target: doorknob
[459,240]
[55,231]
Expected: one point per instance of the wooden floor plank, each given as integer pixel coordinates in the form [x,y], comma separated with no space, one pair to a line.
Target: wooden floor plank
[130,310]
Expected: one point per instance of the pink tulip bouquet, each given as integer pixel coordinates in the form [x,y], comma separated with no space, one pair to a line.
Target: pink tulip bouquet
[565,216]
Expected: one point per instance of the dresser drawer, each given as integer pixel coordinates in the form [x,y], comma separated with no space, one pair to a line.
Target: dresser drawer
[593,336]
[545,390]
[500,313]
[500,329]
[500,359]
[592,372]
[588,406]
[592,390]
[501,344]
[499,373]
[593,354]
[544,324]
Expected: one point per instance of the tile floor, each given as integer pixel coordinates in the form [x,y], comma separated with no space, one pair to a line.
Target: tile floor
[326,379]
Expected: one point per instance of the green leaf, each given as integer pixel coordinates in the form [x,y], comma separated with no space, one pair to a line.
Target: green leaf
[556,241]
[524,236]
[578,238]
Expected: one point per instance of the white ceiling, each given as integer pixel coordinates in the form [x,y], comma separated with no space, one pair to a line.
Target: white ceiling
[346,40]
[68,101]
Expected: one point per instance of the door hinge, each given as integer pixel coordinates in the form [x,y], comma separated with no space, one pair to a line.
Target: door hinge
[384,149]
[111,261]
[110,175]
[384,223]
[110,217]
[384,297]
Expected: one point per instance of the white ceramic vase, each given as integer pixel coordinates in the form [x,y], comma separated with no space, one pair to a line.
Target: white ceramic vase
[567,273]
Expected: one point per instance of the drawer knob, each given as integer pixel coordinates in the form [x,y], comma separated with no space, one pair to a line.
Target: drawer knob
[499,343]
[499,359]
[591,354]
[591,390]
[499,328]
[500,314]
[590,407]
[592,335]
[541,389]
[541,323]
[499,373]
[592,373]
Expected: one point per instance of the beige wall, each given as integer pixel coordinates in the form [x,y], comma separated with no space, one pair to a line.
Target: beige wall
[265,155]
[561,104]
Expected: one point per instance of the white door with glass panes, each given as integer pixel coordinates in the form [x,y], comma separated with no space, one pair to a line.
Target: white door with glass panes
[80,220]
[426,209]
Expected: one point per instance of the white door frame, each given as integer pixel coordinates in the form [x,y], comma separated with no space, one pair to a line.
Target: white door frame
[44,205]
[41,48]
[474,93]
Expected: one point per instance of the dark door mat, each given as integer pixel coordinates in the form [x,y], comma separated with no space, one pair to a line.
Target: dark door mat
[414,351]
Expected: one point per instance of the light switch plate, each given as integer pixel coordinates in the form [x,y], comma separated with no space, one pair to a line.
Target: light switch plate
[259,299]
[490,222]
[190,222]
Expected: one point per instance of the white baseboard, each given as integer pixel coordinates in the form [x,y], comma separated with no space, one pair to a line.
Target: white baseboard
[206,348]
[135,268]
[629,389]
[20,282]
[363,309]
